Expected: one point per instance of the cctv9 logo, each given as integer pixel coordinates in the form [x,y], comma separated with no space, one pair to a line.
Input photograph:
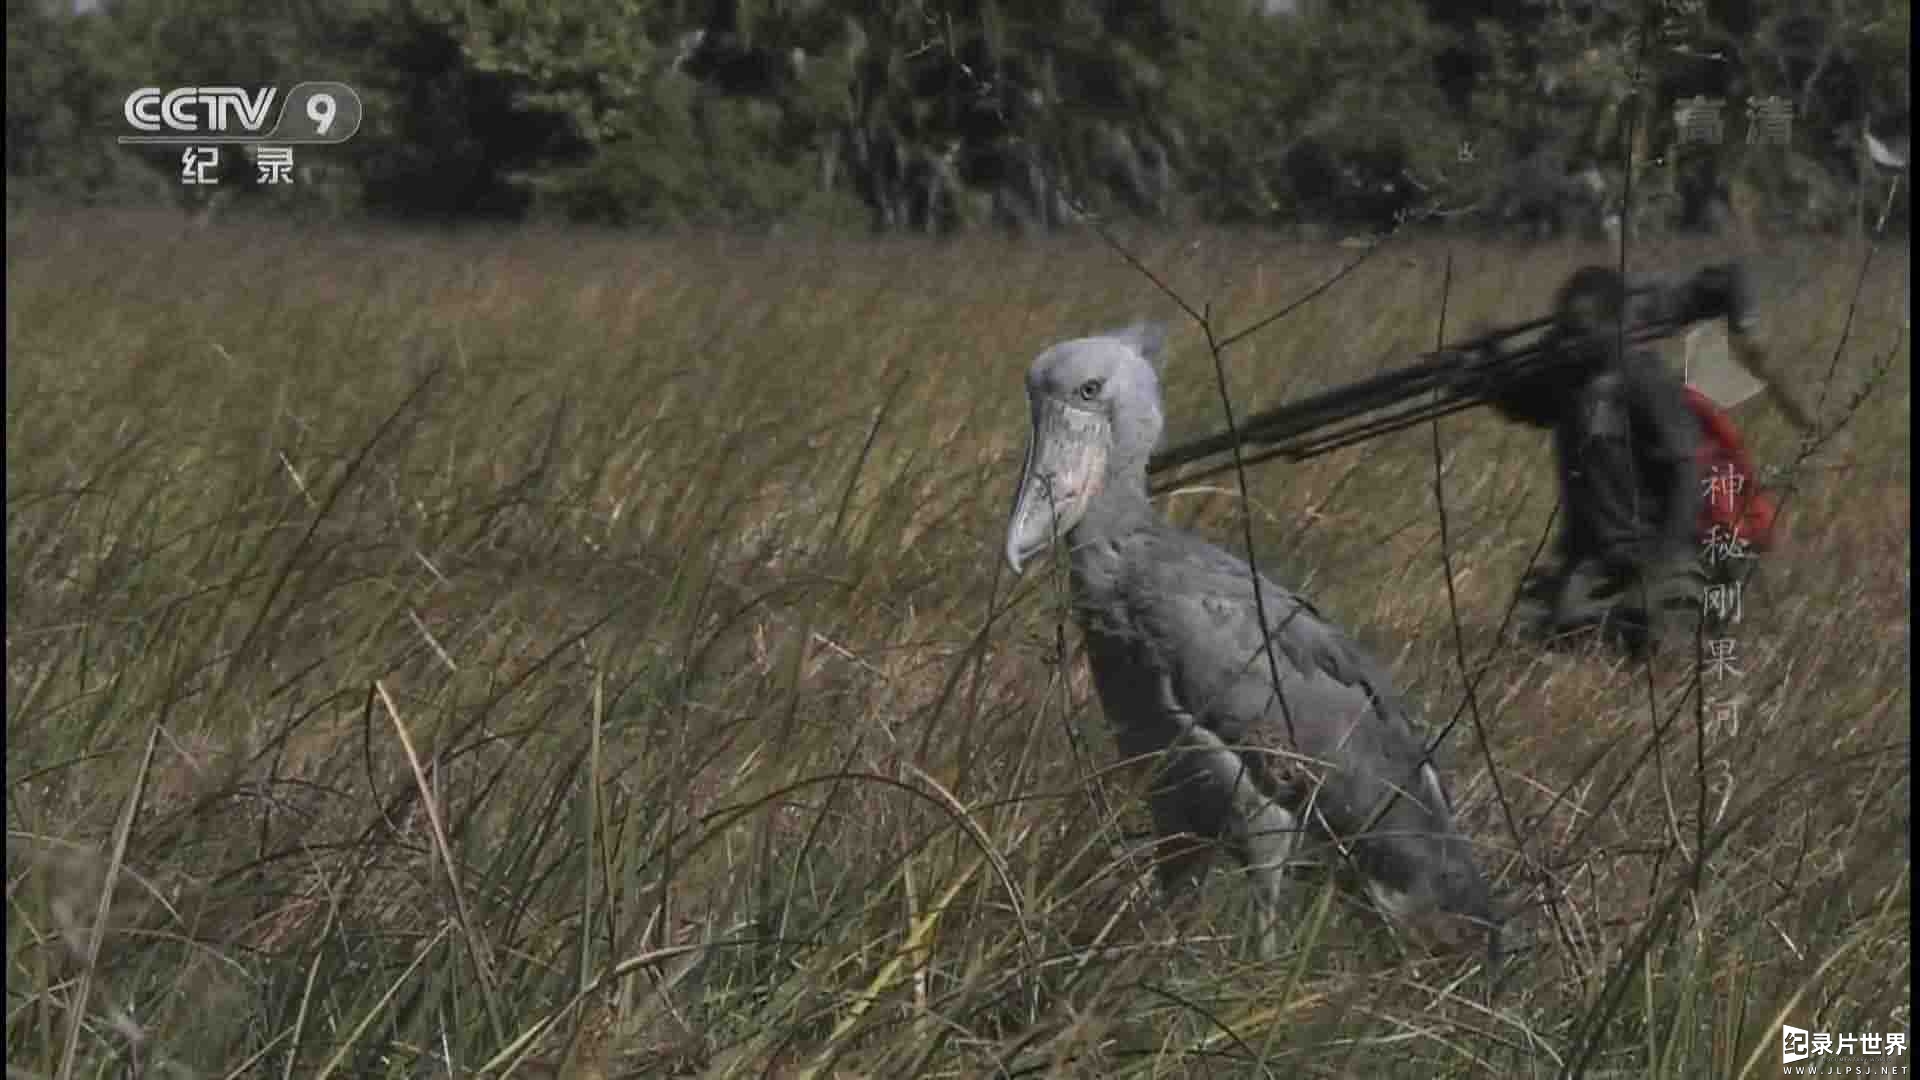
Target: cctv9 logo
[312,112]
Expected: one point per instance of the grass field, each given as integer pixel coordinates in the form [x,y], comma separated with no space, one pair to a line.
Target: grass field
[566,655]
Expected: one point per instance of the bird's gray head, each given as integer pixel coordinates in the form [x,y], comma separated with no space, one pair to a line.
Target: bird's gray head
[1096,416]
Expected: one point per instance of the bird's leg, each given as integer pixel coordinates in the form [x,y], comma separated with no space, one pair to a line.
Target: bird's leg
[1266,840]
[1261,831]
[1183,805]
[1180,864]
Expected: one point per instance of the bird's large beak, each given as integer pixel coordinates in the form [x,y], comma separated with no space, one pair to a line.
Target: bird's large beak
[1066,462]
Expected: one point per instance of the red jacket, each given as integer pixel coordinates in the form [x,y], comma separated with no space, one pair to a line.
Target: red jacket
[1733,499]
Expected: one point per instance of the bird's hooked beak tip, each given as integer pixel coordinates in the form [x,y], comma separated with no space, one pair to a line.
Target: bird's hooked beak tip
[1016,560]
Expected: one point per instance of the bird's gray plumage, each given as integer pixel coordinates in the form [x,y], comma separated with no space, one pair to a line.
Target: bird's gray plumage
[1174,641]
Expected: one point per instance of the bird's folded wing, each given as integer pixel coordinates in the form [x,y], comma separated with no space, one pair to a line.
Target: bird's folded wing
[1335,716]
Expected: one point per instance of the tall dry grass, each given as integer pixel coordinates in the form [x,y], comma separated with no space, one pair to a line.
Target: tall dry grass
[573,655]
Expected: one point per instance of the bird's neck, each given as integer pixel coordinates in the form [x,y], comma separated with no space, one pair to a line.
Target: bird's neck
[1117,513]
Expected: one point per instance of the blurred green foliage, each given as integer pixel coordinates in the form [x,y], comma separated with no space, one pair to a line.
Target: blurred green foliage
[941,115]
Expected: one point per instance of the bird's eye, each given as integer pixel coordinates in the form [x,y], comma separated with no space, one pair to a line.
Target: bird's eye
[1090,389]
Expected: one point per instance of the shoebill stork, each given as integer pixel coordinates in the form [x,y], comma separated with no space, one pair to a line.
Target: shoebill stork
[1174,640]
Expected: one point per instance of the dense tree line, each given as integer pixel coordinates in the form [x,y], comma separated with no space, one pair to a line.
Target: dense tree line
[936,115]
